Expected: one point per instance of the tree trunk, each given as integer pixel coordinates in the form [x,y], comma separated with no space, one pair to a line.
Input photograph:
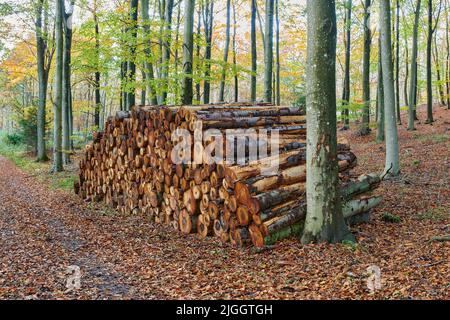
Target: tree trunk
[149,70]
[278,88]
[66,92]
[405,86]
[188,48]
[380,102]
[437,63]
[346,88]
[397,62]
[235,69]
[57,105]
[392,157]
[429,75]
[268,51]
[41,48]
[365,130]
[254,52]
[131,99]
[225,54]
[97,106]
[324,219]
[412,86]
[166,50]
[447,65]
[208,15]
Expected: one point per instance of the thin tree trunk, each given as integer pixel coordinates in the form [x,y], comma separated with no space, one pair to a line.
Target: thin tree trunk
[208,15]
[380,102]
[166,50]
[197,58]
[346,88]
[149,70]
[412,87]
[278,88]
[268,51]
[188,48]
[131,99]
[447,67]
[405,87]
[97,105]
[225,54]
[392,158]
[41,49]
[176,55]
[437,63]
[235,70]
[57,105]
[429,75]
[397,62]
[66,92]
[324,219]
[365,130]
[254,53]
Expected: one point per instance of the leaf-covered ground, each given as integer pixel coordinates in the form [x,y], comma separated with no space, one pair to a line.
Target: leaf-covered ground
[43,231]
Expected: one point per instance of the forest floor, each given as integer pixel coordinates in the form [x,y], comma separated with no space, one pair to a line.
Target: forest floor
[45,230]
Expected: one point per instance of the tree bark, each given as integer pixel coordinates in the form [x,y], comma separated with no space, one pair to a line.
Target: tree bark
[225,54]
[324,219]
[380,102]
[208,16]
[397,62]
[97,101]
[254,53]
[57,105]
[268,51]
[278,85]
[235,69]
[346,87]
[392,158]
[131,99]
[166,50]
[149,70]
[412,85]
[188,48]
[429,71]
[67,89]
[365,130]
[42,70]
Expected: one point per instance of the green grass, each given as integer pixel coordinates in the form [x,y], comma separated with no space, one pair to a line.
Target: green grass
[434,214]
[20,156]
[391,218]
[434,138]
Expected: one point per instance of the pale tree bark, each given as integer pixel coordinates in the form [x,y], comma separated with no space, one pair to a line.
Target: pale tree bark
[67,88]
[176,54]
[57,103]
[166,50]
[397,61]
[131,95]
[278,69]
[225,54]
[268,51]
[149,70]
[346,87]
[431,31]
[44,57]
[365,130]
[235,70]
[208,16]
[380,100]
[188,48]
[437,62]
[392,164]
[412,85]
[254,52]
[324,219]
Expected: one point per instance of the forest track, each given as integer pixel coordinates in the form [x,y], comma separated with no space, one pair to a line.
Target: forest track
[44,231]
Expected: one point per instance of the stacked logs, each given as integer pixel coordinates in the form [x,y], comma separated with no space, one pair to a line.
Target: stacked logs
[140,164]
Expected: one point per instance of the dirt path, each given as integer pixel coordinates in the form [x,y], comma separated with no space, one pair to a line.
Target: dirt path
[43,231]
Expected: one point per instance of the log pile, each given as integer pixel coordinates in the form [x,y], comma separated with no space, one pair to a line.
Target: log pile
[139,164]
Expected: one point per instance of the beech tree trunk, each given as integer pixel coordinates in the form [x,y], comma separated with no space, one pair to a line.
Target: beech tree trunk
[324,219]
[346,87]
[225,54]
[166,50]
[57,104]
[392,158]
[397,61]
[67,89]
[131,99]
[188,48]
[43,63]
[208,16]
[149,70]
[412,85]
[268,51]
[278,69]
[365,130]
[380,102]
[254,53]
